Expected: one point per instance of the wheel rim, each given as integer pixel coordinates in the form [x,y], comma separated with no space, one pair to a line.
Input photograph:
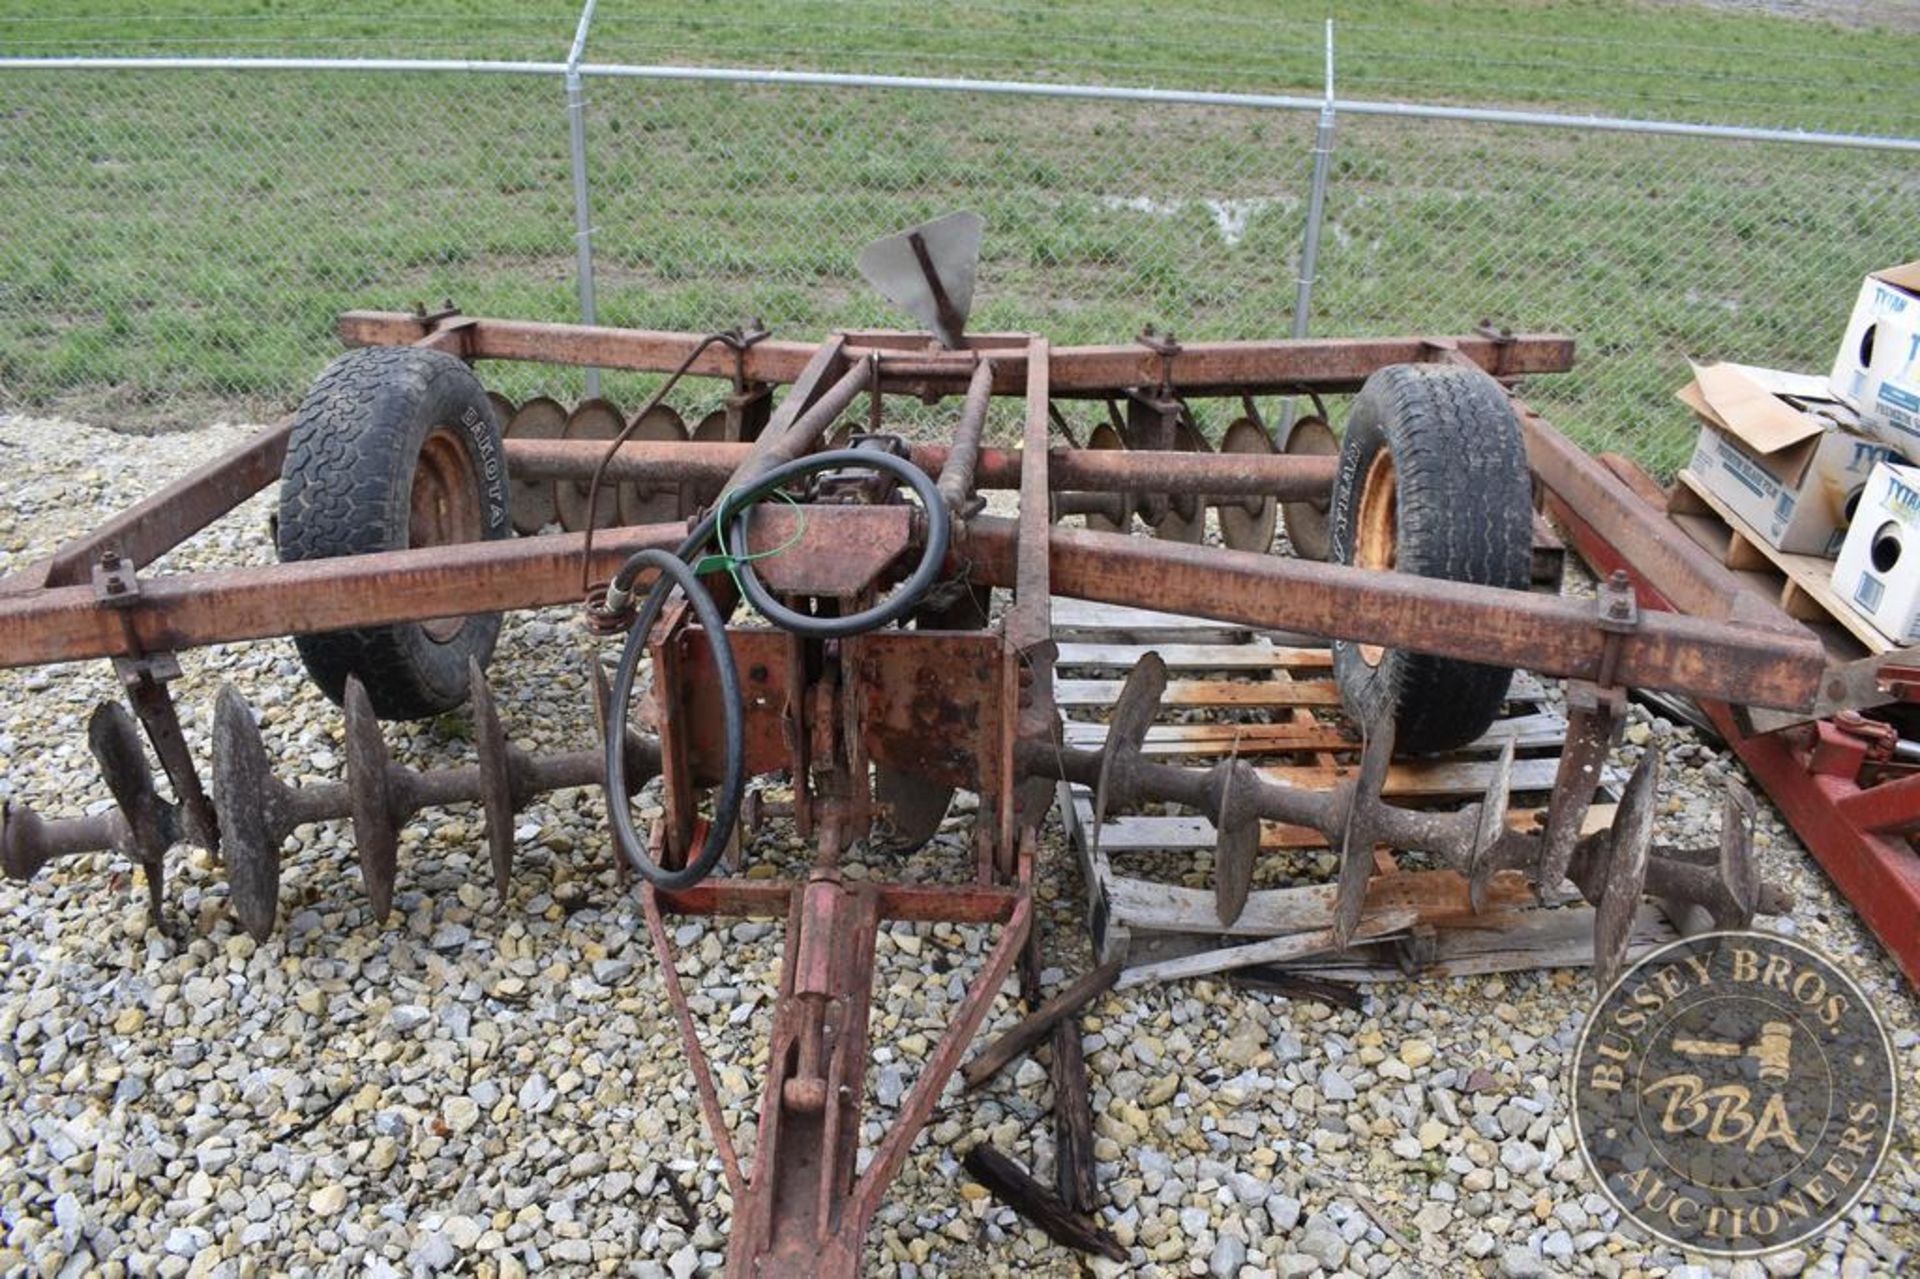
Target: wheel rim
[1376,530]
[443,508]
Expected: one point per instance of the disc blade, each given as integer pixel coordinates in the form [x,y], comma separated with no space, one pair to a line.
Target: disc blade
[914,806]
[1186,518]
[590,420]
[496,777]
[1133,714]
[1104,436]
[1629,845]
[1738,874]
[1356,841]
[503,409]
[1241,528]
[376,836]
[1237,843]
[533,500]
[1306,522]
[662,504]
[1490,828]
[243,784]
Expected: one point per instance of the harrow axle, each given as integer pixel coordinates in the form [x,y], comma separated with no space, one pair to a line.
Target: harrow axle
[257,812]
[1612,868]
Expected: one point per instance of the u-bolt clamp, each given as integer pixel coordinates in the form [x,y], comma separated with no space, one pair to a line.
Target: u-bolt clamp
[1166,346]
[1617,615]
[739,339]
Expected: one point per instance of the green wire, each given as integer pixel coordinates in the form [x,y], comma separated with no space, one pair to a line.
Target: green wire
[731,563]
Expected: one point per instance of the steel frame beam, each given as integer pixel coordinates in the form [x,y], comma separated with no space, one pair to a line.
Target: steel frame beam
[649,463]
[1857,834]
[911,364]
[1672,651]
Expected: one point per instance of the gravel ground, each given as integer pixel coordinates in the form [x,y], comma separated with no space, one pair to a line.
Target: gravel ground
[488,1090]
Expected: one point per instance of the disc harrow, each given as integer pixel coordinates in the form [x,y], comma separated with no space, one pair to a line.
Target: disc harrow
[814,598]
[258,812]
[1612,868]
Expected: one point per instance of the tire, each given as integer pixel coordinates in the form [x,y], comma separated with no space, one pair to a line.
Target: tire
[386,430]
[1433,480]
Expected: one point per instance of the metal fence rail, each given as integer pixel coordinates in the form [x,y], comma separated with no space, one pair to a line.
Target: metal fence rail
[180,232]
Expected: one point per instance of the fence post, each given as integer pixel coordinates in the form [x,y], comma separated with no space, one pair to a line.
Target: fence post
[1316,209]
[582,208]
[1316,200]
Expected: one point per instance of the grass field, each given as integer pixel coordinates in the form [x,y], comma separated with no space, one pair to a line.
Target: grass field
[177,243]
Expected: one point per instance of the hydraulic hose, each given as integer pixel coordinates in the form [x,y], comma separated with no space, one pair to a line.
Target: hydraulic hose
[674,570]
[896,605]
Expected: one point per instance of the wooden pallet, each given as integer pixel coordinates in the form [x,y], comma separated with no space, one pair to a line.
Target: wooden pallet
[1272,700]
[1801,584]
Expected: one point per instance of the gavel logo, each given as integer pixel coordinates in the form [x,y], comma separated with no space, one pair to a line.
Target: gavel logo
[1727,1110]
[1773,1049]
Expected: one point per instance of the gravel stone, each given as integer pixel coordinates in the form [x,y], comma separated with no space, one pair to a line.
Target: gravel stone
[1322,1240]
[1229,1254]
[1522,1263]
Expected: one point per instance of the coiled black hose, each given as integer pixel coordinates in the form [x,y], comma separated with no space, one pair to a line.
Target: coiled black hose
[892,608]
[674,570]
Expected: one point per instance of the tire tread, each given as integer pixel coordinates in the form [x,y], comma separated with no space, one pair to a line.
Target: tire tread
[345,489]
[1464,515]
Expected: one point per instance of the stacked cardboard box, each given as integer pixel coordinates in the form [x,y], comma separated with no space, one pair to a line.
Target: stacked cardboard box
[1818,466]
[1878,373]
[1781,452]
[1878,369]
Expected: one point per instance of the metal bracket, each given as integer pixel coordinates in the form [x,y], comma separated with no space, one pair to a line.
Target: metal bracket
[740,339]
[1501,336]
[1617,614]
[115,582]
[145,680]
[445,311]
[1166,346]
[1595,717]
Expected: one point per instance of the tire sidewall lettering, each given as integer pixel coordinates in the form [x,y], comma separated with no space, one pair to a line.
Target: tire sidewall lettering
[489,464]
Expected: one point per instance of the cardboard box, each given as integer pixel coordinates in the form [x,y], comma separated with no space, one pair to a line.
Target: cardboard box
[1877,372]
[1781,453]
[1878,571]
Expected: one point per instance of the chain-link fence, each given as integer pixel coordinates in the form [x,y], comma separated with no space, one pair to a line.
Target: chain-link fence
[178,240]
[1650,250]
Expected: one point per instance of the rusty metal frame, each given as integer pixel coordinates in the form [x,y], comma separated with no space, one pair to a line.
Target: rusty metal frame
[1858,827]
[90,599]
